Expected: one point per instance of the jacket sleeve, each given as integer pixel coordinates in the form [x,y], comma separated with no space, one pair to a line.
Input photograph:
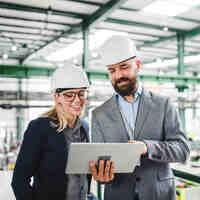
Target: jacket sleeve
[96,132]
[175,147]
[27,162]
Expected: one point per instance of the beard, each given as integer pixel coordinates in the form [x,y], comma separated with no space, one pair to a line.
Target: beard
[127,89]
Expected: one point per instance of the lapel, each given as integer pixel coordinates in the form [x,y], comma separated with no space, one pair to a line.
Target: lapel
[144,109]
[116,119]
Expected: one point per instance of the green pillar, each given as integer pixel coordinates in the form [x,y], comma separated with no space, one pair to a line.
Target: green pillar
[99,193]
[85,66]
[85,48]
[194,104]
[182,116]
[19,113]
[180,48]
[19,124]
[180,70]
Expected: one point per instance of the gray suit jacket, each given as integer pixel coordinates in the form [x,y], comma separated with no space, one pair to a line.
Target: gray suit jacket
[158,126]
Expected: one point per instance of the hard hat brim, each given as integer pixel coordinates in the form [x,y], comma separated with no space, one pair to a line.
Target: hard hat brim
[132,57]
[59,90]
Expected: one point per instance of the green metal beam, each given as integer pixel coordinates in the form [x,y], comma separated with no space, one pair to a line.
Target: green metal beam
[13,6]
[20,71]
[25,33]
[27,27]
[154,78]
[139,24]
[194,32]
[85,2]
[25,39]
[188,34]
[187,19]
[163,39]
[34,20]
[73,30]
[130,33]
[103,12]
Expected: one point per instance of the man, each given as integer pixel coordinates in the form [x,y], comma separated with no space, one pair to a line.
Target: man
[133,114]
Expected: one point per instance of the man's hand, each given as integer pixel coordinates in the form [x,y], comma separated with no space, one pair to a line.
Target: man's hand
[145,146]
[102,175]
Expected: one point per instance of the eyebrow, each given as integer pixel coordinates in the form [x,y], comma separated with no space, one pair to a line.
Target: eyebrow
[123,64]
[111,68]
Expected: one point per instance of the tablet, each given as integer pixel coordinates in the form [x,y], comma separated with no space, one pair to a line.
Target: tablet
[124,155]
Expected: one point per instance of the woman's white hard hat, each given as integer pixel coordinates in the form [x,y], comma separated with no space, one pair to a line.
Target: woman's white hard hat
[69,77]
[116,49]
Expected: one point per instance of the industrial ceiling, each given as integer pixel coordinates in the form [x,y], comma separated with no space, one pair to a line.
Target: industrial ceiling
[31,30]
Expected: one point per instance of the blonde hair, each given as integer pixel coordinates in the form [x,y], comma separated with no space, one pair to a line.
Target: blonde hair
[57,114]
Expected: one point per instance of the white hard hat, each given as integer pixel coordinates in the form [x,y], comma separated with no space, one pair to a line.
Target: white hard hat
[69,77]
[116,49]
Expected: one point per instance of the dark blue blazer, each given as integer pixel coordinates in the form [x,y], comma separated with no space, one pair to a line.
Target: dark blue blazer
[43,155]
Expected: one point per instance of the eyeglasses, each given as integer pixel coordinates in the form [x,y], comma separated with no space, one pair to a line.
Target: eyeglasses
[70,96]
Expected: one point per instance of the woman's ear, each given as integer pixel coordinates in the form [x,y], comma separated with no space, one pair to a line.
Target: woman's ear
[56,97]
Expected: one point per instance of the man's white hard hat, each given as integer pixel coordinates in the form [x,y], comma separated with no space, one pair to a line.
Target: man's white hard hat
[69,77]
[116,49]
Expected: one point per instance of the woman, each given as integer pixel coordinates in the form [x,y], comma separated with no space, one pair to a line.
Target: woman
[44,151]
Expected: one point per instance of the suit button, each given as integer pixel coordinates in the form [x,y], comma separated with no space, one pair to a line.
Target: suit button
[138,179]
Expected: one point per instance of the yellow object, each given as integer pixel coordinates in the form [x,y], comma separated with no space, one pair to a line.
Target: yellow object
[11,166]
[192,135]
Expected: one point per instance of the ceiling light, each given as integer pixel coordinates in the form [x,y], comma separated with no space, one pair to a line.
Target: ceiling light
[75,61]
[5,56]
[94,54]
[165,29]
[168,7]
[14,48]
[158,60]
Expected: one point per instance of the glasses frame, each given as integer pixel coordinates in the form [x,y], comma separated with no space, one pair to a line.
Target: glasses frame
[74,94]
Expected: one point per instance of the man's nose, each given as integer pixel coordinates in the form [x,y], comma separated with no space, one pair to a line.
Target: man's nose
[118,74]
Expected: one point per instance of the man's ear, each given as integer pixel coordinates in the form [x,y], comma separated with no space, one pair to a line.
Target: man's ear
[138,63]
